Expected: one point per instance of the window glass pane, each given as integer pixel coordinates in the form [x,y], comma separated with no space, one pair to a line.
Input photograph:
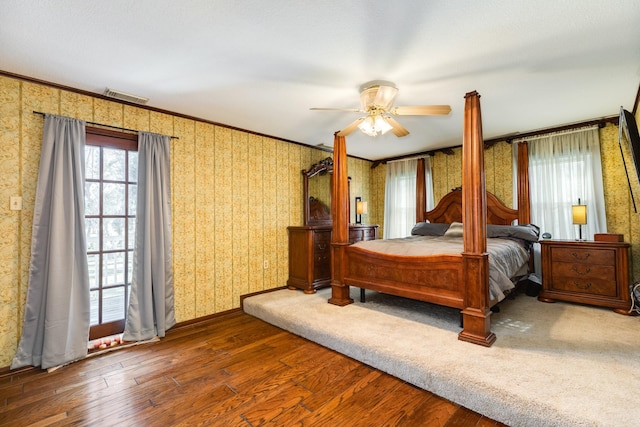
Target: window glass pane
[114,202]
[92,162]
[94,270]
[133,166]
[113,234]
[133,198]
[114,164]
[113,269]
[132,233]
[113,304]
[94,307]
[92,228]
[92,198]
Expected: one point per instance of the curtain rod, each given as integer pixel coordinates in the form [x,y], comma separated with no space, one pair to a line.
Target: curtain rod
[100,124]
[549,134]
[508,138]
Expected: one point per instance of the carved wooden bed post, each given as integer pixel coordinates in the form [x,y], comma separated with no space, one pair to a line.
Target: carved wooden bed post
[340,233]
[475,315]
[421,196]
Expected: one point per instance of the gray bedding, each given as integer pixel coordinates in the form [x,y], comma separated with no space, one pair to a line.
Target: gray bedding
[508,258]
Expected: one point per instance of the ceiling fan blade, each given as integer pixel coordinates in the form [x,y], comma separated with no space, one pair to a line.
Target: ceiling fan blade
[422,110]
[397,129]
[354,110]
[351,127]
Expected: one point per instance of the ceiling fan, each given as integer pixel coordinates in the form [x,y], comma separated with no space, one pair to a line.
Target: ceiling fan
[376,101]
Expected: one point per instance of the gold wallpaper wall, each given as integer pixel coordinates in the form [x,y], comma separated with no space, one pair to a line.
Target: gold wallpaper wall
[233,195]
[447,172]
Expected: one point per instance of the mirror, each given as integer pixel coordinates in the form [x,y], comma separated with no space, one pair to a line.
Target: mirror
[317,193]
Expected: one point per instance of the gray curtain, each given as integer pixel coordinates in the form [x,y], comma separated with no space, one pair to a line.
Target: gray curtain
[56,319]
[150,312]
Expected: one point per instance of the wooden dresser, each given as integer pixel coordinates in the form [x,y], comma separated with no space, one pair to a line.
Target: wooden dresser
[310,254]
[590,272]
[310,244]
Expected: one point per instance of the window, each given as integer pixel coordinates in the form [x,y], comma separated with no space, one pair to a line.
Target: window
[400,198]
[565,167]
[110,208]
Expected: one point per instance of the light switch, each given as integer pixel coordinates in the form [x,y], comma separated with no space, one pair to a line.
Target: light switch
[16,203]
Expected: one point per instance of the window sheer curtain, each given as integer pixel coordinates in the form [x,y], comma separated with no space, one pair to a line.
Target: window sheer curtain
[400,196]
[56,320]
[562,168]
[151,307]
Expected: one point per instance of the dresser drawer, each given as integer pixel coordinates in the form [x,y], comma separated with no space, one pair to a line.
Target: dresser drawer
[322,266]
[584,255]
[360,233]
[321,241]
[368,234]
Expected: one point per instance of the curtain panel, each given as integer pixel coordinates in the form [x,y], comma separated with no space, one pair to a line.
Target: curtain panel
[428,179]
[400,198]
[56,320]
[151,307]
[565,167]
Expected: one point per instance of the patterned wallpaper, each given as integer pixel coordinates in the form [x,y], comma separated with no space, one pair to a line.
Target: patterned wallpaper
[447,172]
[233,195]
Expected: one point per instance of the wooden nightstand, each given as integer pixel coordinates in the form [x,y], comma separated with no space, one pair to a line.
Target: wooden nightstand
[591,272]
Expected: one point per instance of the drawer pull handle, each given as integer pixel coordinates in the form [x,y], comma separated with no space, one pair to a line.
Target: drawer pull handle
[321,246]
[582,286]
[576,256]
[587,271]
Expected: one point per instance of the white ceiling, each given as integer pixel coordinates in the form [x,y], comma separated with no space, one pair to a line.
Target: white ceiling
[260,65]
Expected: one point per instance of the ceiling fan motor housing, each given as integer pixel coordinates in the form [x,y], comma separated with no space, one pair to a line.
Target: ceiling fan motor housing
[377,95]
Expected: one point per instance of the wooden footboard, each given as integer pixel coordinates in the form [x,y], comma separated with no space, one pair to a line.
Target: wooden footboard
[436,279]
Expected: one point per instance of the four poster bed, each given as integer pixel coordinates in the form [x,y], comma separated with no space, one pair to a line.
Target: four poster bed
[457,278]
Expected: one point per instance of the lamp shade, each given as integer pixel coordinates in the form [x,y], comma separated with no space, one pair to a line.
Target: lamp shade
[361,208]
[579,214]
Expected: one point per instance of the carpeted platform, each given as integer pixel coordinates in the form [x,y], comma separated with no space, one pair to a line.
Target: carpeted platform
[552,365]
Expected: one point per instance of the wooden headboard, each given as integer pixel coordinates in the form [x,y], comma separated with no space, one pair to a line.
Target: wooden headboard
[449,210]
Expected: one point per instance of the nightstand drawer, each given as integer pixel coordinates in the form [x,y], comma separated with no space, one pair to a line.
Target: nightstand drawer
[583,255]
[561,270]
[585,285]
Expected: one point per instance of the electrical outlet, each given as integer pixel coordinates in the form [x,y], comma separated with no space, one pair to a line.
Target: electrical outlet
[266,264]
[16,203]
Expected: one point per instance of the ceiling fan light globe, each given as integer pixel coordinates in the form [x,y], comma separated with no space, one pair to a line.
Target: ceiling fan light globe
[374,125]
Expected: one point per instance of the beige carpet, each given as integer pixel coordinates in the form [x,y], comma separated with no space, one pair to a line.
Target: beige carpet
[552,365]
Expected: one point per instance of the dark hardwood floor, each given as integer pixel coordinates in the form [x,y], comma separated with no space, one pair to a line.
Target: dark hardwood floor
[233,370]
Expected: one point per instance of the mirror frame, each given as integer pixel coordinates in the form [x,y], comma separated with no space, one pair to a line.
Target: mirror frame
[323,167]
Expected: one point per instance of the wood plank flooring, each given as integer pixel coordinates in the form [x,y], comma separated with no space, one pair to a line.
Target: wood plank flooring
[233,370]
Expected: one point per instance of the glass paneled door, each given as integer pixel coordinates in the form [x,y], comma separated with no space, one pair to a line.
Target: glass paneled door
[110,209]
